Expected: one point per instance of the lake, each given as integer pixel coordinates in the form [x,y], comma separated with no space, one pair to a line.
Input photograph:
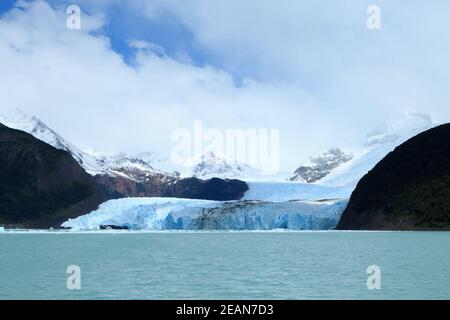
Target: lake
[225,265]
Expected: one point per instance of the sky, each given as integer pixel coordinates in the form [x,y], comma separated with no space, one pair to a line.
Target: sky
[138,70]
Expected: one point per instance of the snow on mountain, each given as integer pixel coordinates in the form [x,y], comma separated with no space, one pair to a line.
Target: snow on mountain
[133,168]
[32,125]
[342,167]
[137,167]
[211,165]
[123,165]
[317,167]
[179,214]
[208,166]
[377,145]
[163,163]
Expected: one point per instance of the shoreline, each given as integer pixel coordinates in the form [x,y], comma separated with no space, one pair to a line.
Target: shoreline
[275,231]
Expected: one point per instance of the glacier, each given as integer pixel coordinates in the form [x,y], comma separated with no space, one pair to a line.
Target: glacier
[187,214]
[285,191]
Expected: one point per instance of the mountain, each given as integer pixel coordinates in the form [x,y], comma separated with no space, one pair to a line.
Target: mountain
[32,125]
[321,165]
[211,165]
[120,165]
[344,167]
[133,168]
[162,162]
[41,186]
[407,190]
[142,167]
[122,175]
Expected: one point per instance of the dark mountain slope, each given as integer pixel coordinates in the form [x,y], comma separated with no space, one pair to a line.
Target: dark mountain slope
[211,189]
[408,190]
[41,186]
[189,188]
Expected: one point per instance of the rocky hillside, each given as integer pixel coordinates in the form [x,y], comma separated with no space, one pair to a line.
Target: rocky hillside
[41,186]
[189,188]
[407,190]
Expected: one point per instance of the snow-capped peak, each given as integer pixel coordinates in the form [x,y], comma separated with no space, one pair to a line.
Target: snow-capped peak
[34,126]
[133,168]
[123,165]
[219,166]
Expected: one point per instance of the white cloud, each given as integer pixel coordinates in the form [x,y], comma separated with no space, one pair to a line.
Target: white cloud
[324,47]
[312,70]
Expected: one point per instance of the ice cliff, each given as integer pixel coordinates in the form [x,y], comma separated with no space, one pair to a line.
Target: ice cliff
[186,214]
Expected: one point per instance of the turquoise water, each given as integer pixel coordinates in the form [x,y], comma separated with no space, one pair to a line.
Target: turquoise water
[235,265]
